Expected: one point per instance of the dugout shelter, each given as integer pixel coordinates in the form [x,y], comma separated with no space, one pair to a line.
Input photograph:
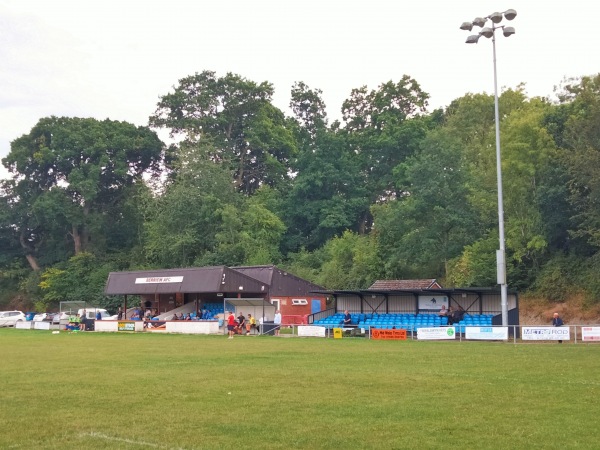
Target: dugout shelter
[378,300]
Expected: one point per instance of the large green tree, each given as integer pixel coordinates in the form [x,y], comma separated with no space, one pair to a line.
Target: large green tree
[235,117]
[68,175]
[381,135]
[581,143]
[181,222]
[327,195]
[249,234]
[421,232]
[351,261]
[528,155]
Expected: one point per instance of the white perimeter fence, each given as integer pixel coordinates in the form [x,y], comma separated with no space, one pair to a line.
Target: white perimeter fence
[517,333]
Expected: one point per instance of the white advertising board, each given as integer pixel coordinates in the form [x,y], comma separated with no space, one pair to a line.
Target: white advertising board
[118,325]
[433,301]
[545,333]
[44,326]
[436,333]
[590,334]
[486,333]
[192,327]
[305,331]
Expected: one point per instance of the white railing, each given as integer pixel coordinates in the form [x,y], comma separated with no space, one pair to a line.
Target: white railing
[577,334]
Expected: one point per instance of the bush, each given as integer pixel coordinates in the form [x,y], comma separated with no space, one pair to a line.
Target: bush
[556,279]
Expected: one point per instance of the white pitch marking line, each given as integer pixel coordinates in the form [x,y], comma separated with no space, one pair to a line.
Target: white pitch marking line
[125,440]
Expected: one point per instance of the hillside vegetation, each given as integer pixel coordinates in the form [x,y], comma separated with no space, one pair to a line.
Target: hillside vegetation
[574,311]
[389,191]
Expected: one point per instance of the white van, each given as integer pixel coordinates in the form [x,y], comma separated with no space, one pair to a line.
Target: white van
[90,313]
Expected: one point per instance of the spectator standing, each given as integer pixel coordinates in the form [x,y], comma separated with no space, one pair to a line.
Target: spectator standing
[230,324]
[98,315]
[557,322]
[277,322]
[83,321]
[120,314]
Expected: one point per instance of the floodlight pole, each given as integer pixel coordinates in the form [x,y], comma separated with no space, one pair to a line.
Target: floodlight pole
[496,18]
[501,253]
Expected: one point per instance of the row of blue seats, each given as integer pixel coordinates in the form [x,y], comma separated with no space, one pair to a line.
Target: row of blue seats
[217,308]
[409,328]
[391,315]
[404,319]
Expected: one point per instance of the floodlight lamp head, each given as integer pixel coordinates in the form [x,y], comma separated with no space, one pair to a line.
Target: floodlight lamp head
[496,17]
[473,39]
[508,31]
[468,26]
[510,14]
[487,32]
[479,22]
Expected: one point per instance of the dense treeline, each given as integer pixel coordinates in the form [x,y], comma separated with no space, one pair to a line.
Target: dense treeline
[388,191]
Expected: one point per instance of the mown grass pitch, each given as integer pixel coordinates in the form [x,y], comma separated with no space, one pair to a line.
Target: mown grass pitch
[135,391]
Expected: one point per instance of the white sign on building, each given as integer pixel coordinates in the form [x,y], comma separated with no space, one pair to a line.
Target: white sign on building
[152,280]
[433,301]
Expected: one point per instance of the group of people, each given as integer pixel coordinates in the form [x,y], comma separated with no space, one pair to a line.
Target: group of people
[241,324]
[143,313]
[75,323]
[453,315]
[182,316]
[205,314]
[79,322]
[139,314]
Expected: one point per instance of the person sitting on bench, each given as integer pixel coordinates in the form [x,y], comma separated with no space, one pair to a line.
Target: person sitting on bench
[347,319]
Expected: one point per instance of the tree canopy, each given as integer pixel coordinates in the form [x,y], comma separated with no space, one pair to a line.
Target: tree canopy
[388,191]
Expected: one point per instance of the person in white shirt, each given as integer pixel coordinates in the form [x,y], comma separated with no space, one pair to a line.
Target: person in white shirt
[277,322]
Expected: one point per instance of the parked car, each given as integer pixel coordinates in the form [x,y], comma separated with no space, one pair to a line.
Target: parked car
[42,317]
[60,316]
[90,313]
[10,318]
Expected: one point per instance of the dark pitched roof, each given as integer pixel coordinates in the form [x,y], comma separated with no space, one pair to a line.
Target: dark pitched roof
[203,279]
[262,273]
[249,280]
[280,281]
[392,285]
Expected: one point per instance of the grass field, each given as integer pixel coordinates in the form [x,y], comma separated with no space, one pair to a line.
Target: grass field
[134,391]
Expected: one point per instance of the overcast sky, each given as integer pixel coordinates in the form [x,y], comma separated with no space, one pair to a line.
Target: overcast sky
[113,59]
